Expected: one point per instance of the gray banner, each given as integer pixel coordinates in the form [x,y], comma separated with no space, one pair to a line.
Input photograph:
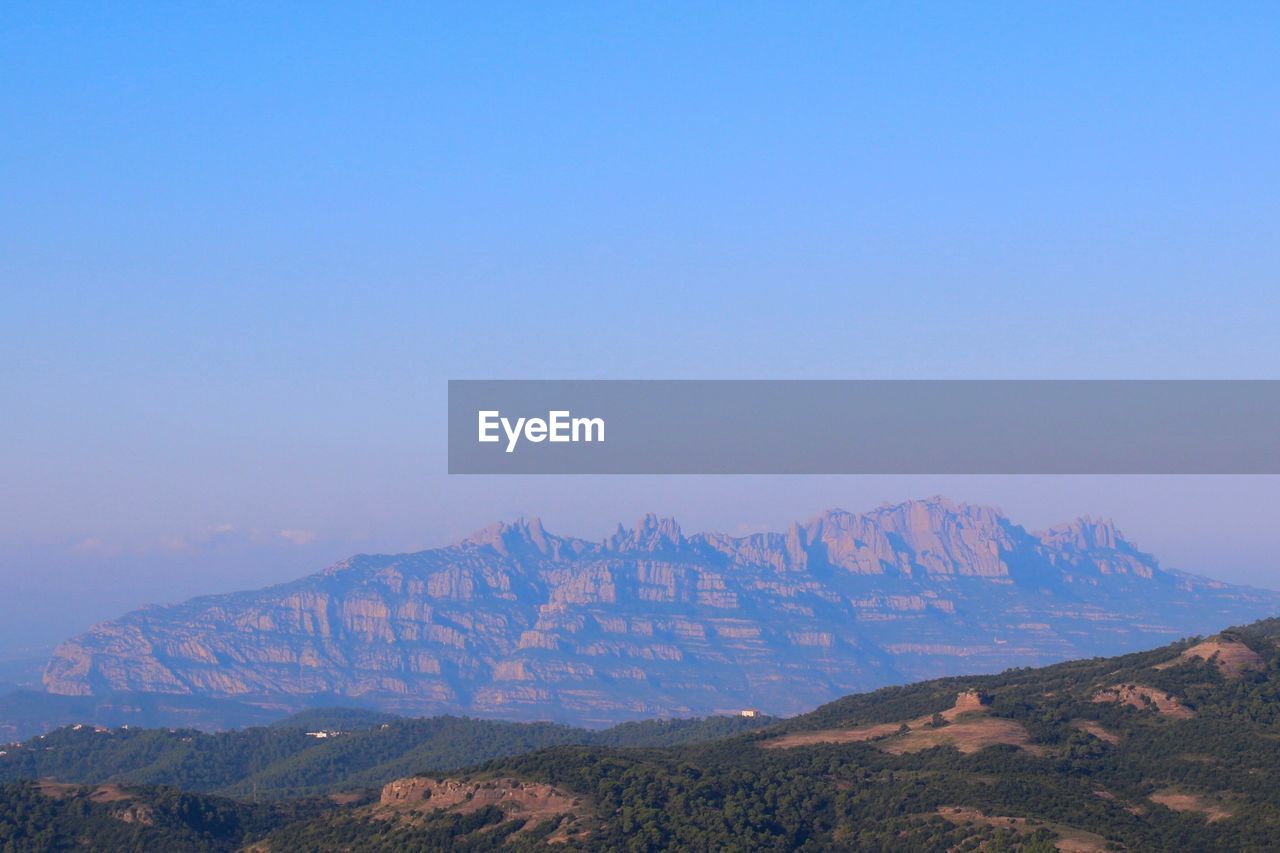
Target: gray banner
[864,427]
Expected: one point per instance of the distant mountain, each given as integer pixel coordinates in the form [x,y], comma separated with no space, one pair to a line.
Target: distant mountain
[519,623]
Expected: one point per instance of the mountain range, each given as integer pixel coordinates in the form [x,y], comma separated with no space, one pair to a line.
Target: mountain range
[519,623]
[1171,749]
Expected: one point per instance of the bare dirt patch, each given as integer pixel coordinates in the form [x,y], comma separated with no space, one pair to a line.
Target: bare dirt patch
[55,789]
[1182,802]
[127,810]
[1232,657]
[108,794]
[1078,841]
[99,794]
[962,814]
[1097,730]
[969,728]
[967,735]
[1070,839]
[1142,697]
[855,735]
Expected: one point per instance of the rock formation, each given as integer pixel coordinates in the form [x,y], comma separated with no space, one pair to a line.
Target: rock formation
[517,622]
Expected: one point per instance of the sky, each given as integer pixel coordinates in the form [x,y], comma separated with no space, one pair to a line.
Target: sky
[243,247]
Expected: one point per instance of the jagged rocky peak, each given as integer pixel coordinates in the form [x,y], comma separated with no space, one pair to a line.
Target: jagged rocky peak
[915,517]
[1085,533]
[930,536]
[520,538]
[933,536]
[651,533]
[516,621]
[1096,546]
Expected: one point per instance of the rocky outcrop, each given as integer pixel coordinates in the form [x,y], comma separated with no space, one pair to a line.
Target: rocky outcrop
[1143,697]
[531,804]
[517,622]
[512,795]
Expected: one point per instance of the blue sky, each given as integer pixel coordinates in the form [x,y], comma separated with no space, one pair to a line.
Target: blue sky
[242,248]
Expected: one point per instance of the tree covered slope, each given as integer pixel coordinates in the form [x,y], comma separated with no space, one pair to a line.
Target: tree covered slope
[1173,749]
[360,749]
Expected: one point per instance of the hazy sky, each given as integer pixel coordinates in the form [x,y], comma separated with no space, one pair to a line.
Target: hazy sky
[243,248]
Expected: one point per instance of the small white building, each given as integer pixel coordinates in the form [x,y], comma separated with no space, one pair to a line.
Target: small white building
[748,712]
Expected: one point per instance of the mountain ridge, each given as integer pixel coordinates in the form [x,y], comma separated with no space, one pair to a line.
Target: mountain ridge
[515,621]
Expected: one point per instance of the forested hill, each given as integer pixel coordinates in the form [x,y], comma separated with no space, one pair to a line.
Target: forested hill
[1171,749]
[317,752]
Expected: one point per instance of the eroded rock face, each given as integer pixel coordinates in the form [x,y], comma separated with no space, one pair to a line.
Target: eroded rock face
[518,622]
[1143,697]
[467,795]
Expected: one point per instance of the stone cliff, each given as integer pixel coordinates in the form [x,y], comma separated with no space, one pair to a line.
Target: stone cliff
[517,622]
